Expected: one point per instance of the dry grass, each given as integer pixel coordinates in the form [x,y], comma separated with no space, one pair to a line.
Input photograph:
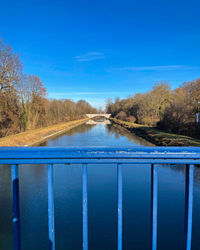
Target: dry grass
[36,136]
[158,137]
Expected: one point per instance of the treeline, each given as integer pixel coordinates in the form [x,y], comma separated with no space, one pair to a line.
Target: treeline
[23,101]
[171,110]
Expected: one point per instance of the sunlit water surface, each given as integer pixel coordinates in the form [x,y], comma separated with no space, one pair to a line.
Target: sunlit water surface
[102,198]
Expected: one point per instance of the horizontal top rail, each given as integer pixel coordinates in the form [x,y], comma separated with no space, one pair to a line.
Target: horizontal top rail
[45,155]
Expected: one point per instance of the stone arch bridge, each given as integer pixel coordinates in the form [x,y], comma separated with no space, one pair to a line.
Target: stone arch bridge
[96,115]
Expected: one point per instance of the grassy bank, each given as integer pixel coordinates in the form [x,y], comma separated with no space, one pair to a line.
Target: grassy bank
[156,136]
[37,136]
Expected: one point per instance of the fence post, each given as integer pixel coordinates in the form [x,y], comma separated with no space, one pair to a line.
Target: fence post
[119,194]
[85,207]
[154,205]
[15,206]
[189,179]
[51,223]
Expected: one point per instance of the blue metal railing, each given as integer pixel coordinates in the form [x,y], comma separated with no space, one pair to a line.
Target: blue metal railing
[153,156]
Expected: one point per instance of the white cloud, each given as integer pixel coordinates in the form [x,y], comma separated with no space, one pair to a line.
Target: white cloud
[90,56]
[157,68]
[81,94]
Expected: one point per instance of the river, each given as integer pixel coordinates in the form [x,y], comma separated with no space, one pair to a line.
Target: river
[102,199]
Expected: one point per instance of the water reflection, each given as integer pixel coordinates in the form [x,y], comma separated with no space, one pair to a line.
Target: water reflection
[93,122]
[181,169]
[81,129]
[119,131]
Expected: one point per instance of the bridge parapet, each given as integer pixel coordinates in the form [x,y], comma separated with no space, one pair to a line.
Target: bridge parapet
[185,157]
[95,115]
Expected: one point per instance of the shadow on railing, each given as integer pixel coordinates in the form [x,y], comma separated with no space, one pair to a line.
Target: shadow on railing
[189,156]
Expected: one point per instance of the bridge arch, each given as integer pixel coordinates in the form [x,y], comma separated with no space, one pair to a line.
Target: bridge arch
[95,115]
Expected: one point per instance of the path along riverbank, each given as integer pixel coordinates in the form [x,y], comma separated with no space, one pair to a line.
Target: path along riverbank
[156,136]
[37,136]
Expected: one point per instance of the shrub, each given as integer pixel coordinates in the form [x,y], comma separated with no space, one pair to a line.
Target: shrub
[121,116]
[131,118]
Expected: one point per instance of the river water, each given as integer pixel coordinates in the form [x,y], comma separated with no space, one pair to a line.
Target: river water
[102,199]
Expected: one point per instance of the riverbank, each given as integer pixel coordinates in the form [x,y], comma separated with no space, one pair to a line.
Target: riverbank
[37,136]
[156,136]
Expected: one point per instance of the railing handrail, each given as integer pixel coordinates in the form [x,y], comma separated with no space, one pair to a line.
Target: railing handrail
[46,155]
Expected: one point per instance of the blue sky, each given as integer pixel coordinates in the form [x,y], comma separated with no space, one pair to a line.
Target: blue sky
[100,49]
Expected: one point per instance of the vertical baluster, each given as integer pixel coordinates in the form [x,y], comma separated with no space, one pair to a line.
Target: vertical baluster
[189,179]
[51,207]
[15,206]
[85,207]
[154,206]
[119,194]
